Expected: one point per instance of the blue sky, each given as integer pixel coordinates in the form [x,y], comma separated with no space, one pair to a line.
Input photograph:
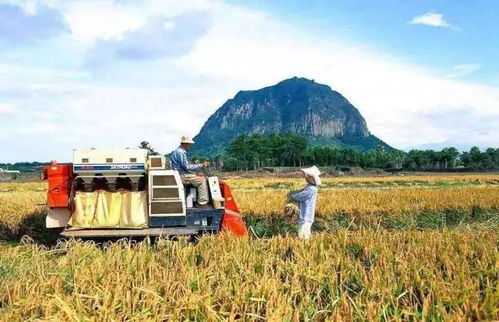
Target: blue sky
[104,73]
[472,35]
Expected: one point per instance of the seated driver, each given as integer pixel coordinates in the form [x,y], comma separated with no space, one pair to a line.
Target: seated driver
[188,170]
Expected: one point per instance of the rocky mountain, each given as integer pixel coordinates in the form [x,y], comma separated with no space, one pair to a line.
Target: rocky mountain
[296,105]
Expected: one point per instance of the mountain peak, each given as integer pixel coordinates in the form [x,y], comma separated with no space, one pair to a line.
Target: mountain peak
[290,84]
[296,105]
[300,81]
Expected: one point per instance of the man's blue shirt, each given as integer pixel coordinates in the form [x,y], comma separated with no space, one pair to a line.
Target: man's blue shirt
[180,162]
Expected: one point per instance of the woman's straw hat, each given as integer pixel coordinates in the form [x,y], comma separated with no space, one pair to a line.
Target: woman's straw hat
[313,174]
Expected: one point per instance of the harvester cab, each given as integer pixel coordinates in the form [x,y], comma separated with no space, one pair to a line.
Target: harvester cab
[128,193]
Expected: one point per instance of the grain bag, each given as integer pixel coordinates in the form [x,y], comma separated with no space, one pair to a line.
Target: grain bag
[108,210]
[134,209]
[84,209]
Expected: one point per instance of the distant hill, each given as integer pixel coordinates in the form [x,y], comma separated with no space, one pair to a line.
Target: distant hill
[296,105]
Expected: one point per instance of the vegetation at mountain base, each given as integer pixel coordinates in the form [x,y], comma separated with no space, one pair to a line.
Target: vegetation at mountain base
[289,150]
[256,151]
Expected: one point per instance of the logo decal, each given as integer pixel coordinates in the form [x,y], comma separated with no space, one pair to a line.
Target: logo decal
[121,167]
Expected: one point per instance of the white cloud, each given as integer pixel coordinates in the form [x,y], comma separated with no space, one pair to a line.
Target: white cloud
[432,19]
[7,108]
[107,19]
[89,20]
[159,100]
[462,70]
[153,40]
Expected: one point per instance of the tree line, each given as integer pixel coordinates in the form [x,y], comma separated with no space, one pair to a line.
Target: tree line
[23,166]
[288,150]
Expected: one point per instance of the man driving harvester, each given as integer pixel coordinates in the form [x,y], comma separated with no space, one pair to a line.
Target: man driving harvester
[188,170]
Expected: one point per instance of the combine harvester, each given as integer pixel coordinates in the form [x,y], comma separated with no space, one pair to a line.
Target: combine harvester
[128,193]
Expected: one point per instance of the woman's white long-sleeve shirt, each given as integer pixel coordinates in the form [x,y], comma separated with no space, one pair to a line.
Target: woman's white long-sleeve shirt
[307,199]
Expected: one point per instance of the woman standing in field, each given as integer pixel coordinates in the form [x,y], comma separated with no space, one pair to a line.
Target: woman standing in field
[307,199]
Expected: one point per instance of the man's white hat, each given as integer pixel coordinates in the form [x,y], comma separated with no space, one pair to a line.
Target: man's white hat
[186,139]
[313,173]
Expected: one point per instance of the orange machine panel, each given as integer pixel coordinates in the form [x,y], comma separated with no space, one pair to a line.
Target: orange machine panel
[59,179]
[232,220]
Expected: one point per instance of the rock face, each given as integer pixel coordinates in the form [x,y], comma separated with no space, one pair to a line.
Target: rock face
[296,105]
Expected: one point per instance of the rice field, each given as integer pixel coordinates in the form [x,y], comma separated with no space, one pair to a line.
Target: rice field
[384,248]
[427,180]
